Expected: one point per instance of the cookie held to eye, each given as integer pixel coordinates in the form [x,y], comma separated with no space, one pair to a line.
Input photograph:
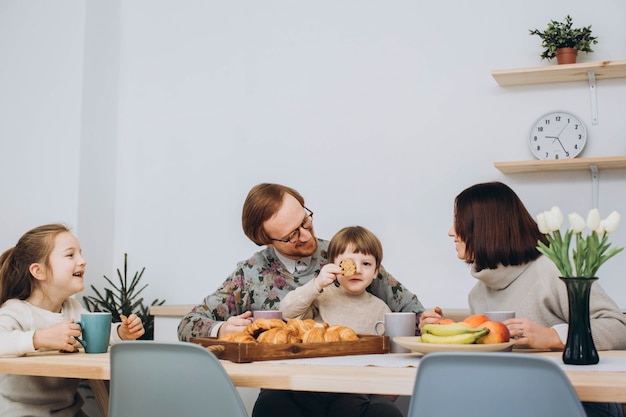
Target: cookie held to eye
[349,267]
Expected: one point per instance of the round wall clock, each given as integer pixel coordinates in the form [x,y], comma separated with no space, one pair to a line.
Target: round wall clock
[557,135]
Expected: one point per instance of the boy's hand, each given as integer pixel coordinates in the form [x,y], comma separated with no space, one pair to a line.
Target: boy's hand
[328,275]
[60,336]
[131,327]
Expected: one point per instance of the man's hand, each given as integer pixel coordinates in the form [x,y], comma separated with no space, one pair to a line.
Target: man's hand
[235,324]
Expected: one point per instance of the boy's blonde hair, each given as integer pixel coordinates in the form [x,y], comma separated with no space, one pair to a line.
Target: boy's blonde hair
[359,239]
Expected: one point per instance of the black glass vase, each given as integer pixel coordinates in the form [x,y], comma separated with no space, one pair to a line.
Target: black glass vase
[579,349]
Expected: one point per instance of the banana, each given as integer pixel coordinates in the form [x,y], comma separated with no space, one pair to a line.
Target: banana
[448,329]
[458,339]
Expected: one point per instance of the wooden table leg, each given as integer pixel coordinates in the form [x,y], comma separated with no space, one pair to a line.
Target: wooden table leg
[100,390]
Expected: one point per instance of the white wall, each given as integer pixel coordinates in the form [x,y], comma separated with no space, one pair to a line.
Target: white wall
[357,104]
[40,114]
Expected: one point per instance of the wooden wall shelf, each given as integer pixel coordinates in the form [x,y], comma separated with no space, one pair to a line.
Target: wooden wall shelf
[590,72]
[560,73]
[576,164]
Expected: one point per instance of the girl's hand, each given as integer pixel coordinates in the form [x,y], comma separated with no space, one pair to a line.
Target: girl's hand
[131,328]
[430,316]
[61,336]
[328,275]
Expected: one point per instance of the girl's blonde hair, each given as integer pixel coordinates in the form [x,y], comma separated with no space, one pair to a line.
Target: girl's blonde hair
[359,239]
[35,246]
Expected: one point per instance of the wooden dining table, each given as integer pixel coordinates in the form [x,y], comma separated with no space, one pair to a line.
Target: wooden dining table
[601,386]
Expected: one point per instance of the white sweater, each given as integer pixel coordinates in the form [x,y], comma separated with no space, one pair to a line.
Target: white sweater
[35,395]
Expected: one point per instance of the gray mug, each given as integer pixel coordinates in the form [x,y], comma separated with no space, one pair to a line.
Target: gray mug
[500,315]
[396,324]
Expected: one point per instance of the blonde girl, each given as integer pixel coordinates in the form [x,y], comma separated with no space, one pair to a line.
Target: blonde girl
[38,277]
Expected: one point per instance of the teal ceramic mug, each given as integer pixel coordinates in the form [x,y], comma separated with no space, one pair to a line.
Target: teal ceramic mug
[96,331]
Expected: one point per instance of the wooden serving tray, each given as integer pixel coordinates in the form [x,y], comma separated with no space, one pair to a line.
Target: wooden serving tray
[250,352]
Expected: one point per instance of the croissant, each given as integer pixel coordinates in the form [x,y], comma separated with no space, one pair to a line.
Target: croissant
[301,326]
[345,333]
[314,335]
[239,337]
[259,326]
[279,335]
[332,336]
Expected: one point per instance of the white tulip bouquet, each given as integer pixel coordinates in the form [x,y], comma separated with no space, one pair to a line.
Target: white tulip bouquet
[589,253]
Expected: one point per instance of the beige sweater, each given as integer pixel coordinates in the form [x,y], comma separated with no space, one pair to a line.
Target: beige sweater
[535,291]
[334,306]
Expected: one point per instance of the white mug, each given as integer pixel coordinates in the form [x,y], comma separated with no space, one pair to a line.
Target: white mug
[397,324]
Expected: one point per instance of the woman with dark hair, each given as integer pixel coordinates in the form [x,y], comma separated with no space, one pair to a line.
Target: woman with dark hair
[493,210]
[494,233]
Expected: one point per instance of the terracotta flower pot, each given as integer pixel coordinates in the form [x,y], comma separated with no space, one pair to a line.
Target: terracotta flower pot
[566,55]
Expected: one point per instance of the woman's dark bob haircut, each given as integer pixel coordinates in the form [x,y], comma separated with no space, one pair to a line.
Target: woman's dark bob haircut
[495,226]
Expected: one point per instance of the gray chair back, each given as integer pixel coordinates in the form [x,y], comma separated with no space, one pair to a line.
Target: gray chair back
[492,384]
[170,379]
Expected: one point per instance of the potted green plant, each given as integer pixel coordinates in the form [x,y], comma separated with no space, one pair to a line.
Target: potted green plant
[560,40]
[123,299]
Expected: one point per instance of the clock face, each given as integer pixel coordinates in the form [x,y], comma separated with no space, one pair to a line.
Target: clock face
[557,135]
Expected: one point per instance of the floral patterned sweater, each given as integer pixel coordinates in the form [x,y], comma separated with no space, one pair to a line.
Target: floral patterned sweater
[263,281]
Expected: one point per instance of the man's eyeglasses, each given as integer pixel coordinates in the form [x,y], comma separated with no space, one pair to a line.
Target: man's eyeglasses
[307,223]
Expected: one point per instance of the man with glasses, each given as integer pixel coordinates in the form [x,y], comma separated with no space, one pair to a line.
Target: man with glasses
[275,216]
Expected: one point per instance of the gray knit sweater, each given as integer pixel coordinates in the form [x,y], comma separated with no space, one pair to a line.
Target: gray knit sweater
[535,291]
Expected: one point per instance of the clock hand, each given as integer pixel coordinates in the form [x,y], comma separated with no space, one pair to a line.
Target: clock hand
[564,150]
[559,140]
[557,136]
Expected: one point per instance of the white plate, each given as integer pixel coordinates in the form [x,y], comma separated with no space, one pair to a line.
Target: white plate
[414,344]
